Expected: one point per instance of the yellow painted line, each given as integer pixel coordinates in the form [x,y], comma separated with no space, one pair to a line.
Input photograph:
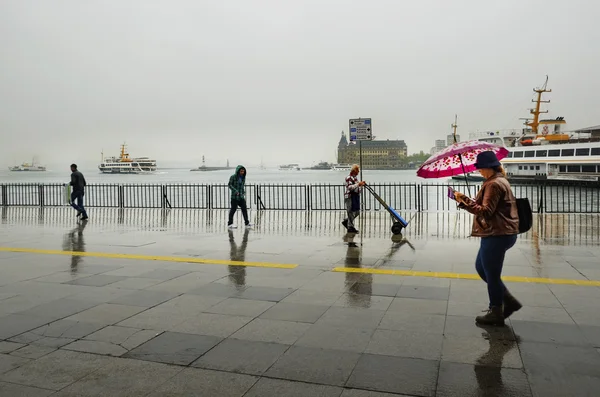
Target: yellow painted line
[150,258]
[466,276]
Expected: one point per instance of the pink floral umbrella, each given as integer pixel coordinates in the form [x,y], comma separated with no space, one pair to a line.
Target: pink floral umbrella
[458,158]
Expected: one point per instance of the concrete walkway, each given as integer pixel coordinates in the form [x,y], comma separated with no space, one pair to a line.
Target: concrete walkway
[153,303]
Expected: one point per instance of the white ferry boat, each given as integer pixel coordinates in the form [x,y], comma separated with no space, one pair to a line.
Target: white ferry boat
[544,152]
[27,167]
[341,167]
[289,167]
[123,164]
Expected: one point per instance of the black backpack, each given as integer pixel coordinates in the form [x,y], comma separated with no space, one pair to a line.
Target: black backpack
[525,215]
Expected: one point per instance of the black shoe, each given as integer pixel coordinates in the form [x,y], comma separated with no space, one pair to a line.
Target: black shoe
[494,316]
[84,218]
[352,230]
[79,213]
[345,223]
[511,304]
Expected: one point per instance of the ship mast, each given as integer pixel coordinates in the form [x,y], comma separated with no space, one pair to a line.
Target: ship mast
[536,112]
[454,128]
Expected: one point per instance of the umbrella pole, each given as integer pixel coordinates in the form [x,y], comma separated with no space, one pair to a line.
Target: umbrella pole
[465,174]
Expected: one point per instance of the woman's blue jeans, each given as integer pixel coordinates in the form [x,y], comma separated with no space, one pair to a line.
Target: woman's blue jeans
[489,262]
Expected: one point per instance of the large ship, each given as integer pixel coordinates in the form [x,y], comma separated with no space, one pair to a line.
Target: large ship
[203,167]
[323,165]
[123,164]
[546,150]
[28,167]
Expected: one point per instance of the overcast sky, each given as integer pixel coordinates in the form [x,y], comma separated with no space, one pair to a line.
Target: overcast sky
[278,80]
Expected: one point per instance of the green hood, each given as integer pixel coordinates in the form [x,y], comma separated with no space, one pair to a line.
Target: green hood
[237,171]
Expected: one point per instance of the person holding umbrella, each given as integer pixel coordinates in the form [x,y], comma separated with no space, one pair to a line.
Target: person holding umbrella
[496,221]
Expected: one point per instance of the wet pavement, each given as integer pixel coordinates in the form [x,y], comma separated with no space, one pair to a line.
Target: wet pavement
[170,303]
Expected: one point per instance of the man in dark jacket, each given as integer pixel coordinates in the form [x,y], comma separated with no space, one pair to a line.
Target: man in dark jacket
[78,187]
[237,186]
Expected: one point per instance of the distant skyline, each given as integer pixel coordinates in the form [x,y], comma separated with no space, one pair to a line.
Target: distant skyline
[278,81]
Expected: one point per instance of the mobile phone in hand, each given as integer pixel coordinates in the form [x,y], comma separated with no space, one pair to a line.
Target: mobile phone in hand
[451,193]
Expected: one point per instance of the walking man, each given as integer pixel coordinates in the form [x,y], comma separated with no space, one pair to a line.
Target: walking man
[352,198]
[237,186]
[78,185]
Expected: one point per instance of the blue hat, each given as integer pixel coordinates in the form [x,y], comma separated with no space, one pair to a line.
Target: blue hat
[487,159]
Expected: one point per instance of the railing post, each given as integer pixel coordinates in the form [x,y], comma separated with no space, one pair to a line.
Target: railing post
[307,193]
[3,189]
[209,197]
[121,196]
[41,194]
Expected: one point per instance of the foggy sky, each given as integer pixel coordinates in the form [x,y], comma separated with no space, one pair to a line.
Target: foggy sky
[278,80]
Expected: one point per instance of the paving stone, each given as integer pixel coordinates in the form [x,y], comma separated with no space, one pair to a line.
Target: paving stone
[367,393]
[240,307]
[591,333]
[96,347]
[135,283]
[125,337]
[297,312]
[423,292]
[220,325]
[351,317]
[468,380]
[406,344]
[12,390]
[15,324]
[123,378]
[409,322]
[247,357]
[144,298]
[266,387]
[215,289]
[341,338]
[543,314]
[264,330]
[265,293]
[164,274]
[311,297]
[418,306]
[10,362]
[174,348]
[98,280]
[557,361]
[155,319]
[33,351]
[190,304]
[466,327]
[59,308]
[52,342]
[306,364]
[67,329]
[106,313]
[55,370]
[395,375]
[7,347]
[363,301]
[482,352]
[564,334]
[201,382]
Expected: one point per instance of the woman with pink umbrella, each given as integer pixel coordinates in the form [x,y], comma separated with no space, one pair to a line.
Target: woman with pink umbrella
[496,218]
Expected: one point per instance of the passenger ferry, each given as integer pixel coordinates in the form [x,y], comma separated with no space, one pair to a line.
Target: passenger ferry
[289,167]
[123,164]
[542,151]
[28,167]
[341,167]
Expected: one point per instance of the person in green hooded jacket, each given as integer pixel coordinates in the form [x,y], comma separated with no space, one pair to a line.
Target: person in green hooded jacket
[237,186]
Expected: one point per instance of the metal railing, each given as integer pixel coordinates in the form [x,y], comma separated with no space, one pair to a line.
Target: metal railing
[545,197]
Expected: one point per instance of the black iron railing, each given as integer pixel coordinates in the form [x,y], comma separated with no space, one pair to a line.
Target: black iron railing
[545,197]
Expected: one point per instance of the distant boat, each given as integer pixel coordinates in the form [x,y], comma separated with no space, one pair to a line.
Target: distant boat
[341,167]
[322,166]
[27,167]
[203,167]
[289,167]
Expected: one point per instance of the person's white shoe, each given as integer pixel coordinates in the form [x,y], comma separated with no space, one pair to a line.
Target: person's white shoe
[232,227]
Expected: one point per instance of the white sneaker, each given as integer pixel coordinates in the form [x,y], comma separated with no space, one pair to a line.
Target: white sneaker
[232,227]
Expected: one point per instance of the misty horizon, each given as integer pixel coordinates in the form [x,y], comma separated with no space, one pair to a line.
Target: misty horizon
[277,81]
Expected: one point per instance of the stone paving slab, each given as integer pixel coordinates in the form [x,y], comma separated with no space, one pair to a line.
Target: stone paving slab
[160,328]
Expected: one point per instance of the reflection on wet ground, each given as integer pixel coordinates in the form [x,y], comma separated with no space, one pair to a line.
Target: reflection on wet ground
[75,324]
